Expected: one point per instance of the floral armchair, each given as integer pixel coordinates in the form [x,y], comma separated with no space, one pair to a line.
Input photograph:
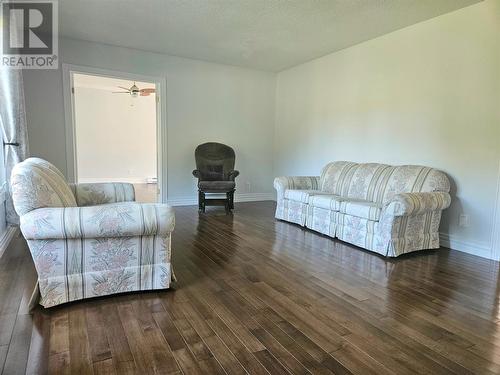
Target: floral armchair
[90,240]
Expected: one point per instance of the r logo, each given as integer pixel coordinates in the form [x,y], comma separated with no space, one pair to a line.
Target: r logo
[28,28]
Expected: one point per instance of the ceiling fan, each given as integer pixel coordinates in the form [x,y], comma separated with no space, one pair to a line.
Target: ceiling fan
[135,91]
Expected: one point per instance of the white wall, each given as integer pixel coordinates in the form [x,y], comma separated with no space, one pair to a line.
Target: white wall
[115,136]
[427,94]
[205,102]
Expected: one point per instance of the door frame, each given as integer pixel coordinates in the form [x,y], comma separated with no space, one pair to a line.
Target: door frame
[495,236]
[161,118]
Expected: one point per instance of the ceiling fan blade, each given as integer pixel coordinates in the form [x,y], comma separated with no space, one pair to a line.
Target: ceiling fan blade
[144,93]
[120,92]
[149,90]
[125,88]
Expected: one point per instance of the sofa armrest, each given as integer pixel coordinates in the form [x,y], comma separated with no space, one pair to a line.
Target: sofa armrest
[407,204]
[109,220]
[295,182]
[92,194]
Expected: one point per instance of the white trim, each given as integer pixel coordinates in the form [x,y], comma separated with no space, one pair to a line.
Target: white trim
[495,235]
[161,116]
[131,180]
[470,247]
[7,237]
[242,197]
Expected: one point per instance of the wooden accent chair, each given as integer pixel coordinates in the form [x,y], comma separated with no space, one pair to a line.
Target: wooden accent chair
[215,173]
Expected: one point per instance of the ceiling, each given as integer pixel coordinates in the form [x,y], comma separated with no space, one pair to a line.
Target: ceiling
[261,34]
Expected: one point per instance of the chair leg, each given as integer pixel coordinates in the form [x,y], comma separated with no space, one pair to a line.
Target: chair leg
[227,203]
[201,201]
[231,201]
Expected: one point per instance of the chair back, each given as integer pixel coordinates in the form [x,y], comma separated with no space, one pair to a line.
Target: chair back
[214,161]
[36,183]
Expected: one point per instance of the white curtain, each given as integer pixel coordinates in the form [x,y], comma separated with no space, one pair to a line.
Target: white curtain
[14,130]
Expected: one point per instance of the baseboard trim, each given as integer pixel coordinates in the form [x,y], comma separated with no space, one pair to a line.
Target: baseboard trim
[495,236]
[7,237]
[242,197]
[469,247]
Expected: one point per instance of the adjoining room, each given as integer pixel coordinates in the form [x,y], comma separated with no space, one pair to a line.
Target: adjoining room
[115,126]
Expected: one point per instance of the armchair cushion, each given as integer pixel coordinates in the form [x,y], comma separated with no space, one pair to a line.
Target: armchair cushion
[216,186]
[406,204]
[102,193]
[110,220]
[214,176]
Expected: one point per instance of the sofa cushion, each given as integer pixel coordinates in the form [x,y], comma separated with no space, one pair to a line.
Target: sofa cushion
[299,195]
[35,183]
[326,201]
[302,195]
[334,175]
[362,209]
[410,179]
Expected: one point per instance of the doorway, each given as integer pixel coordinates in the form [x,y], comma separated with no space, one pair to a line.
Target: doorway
[115,131]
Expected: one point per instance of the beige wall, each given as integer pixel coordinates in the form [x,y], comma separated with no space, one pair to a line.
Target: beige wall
[427,94]
[205,102]
[115,136]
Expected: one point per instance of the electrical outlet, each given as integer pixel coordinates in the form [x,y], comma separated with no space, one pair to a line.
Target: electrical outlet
[463,220]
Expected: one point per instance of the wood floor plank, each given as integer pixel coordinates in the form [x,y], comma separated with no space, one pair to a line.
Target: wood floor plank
[79,348]
[247,359]
[3,354]
[259,296]
[59,363]
[38,356]
[96,331]
[123,359]
[17,356]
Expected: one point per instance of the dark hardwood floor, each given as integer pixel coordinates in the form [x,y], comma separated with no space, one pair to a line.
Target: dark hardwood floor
[260,296]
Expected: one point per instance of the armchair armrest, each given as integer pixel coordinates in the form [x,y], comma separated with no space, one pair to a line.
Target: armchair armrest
[407,204]
[102,193]
[295,182]
[233,174]
[109,220]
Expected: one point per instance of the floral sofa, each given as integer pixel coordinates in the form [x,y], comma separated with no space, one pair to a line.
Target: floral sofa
[90,240]
[390,210]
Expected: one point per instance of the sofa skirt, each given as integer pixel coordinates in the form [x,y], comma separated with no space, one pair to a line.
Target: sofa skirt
[392,237]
